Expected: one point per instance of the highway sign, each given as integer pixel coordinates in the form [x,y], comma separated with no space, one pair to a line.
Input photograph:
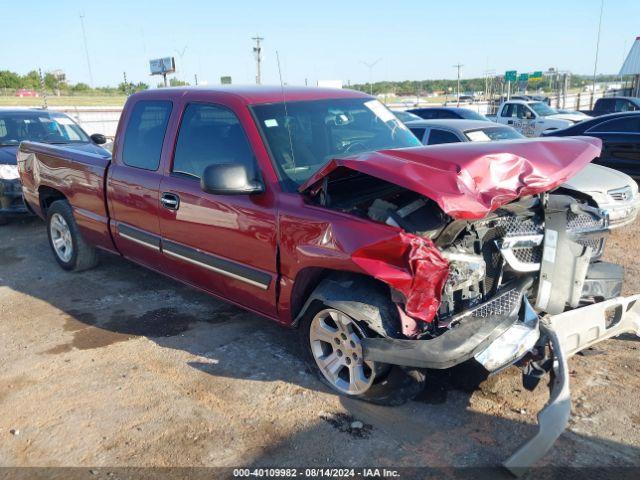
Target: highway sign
[510,75]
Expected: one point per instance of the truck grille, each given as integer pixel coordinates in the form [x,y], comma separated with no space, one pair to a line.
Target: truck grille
[512,226]
[584,222]
[501,304]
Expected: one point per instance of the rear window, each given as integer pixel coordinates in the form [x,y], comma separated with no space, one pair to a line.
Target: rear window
[145,133]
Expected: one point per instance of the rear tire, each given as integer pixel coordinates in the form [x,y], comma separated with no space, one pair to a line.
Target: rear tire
[69,248]
[325,331]
[3,220]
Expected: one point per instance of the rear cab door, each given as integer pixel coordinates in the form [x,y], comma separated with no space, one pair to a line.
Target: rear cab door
[134,176]
[224,244]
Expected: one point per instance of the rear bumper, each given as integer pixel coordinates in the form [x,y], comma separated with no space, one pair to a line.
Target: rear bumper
[569,333]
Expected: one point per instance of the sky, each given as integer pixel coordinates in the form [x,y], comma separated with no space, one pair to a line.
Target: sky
[315,40]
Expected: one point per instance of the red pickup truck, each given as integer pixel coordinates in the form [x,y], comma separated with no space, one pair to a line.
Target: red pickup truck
[318,209]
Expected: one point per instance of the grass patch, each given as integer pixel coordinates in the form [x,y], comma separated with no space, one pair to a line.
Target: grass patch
[64,101]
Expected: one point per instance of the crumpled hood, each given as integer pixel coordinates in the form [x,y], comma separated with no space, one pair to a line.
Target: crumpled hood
[469,180]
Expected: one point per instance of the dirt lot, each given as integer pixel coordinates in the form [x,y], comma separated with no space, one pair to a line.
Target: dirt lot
[119,366]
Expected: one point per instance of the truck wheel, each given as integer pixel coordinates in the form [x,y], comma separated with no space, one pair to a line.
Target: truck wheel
[71,251]
[3,220]
[331,340]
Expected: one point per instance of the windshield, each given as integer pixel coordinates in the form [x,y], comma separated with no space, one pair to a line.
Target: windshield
[492,134]
[311,133]
[543,109]
[39,126]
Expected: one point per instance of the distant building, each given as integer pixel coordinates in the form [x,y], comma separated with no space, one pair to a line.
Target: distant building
[631,66]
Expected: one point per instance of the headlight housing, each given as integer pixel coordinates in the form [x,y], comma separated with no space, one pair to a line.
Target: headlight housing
[9,172]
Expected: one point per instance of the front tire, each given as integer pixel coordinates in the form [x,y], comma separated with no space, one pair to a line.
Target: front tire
[69,248]
[331,341]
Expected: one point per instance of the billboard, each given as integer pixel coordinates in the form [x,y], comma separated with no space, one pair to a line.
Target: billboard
[161,66]
[226,80]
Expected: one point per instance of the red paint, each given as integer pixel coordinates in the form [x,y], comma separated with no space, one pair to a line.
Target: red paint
[277,233]
[469,180]
[413,266]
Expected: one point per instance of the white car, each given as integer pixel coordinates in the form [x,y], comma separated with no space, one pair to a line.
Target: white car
[611,190]
[532,118]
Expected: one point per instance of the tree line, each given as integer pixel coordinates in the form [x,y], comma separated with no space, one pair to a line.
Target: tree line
[425,87]
[14,81]
[31,81]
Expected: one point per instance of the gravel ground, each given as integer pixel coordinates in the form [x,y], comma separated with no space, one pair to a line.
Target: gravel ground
[119,366]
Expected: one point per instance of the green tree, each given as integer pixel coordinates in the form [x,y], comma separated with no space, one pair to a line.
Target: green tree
[10,79]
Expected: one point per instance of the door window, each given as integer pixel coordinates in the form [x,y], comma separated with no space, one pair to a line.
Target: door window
[209,135]
[145,133]
[418,132]
[621,125]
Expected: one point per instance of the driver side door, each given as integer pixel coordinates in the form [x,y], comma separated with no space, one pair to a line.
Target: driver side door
[225,244]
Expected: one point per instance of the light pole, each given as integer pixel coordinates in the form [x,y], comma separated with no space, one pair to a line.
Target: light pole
[595,63]
[86,49]
[370,66]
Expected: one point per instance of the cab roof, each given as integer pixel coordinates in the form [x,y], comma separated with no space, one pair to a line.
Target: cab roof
[255,94]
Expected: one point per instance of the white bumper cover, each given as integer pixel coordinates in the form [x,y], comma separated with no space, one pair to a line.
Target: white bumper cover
[569,333]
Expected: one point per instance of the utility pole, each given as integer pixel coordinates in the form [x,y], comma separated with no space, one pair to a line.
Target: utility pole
[458,66]
[257,52]
[44,90]
[370,66]
[86,49]
[595,63]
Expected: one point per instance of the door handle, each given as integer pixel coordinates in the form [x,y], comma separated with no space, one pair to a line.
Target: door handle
[170,201]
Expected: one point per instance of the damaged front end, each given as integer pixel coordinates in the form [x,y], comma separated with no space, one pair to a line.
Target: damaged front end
[487,263]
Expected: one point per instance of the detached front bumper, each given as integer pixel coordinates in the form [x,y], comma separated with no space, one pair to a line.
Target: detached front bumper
[11,202]
[568,333]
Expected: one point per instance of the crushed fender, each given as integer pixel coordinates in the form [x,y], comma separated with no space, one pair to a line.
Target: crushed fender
[411,265]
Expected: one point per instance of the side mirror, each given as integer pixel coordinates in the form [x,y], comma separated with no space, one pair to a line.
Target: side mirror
[229,179]
[98,139]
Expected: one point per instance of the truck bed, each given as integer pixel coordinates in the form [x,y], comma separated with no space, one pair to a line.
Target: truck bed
[49,172]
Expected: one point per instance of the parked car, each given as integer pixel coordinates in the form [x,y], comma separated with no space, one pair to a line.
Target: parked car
[37,125]
[26,92]
[606,105]
[429,113]
[405,117]
[620,135]
[533,118]
[608,189]
[326,214]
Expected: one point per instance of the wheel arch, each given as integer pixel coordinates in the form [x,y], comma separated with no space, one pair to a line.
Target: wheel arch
[47,195]
[360,296]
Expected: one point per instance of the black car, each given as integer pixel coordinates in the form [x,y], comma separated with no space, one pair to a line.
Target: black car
[620,135]
[36,125]
[432,113]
